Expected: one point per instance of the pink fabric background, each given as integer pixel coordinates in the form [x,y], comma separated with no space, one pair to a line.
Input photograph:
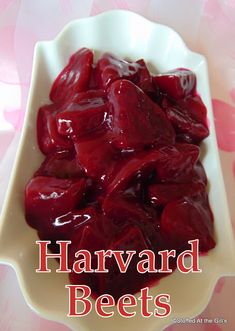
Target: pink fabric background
[207,26]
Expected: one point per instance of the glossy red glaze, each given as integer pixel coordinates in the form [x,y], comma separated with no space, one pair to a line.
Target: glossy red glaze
[122,167]
[137,121]
[49,139]
[178,83]
[74,77]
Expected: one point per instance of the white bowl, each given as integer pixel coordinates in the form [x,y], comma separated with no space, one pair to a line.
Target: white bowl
[128,35]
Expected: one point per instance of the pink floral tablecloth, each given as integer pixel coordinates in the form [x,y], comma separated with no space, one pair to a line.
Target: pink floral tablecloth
[207,26]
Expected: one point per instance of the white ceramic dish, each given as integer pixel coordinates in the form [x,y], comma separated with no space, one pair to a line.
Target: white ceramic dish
[127,35]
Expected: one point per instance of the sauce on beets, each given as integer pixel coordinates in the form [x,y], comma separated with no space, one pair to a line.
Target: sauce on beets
[121,168]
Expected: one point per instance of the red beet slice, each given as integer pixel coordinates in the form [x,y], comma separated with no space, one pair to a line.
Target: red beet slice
[88,240]
[199,173]
[110,68]
[64,226]
[188,117]
[74,77]
[122,211]
[93,84]
[115,282]
[188,219]
[48,197]
[161,194]
[196,108]
[178,83]
[144,79]
[176,163]
[85,116]
[172,163]
[137,120]
[49,140]
[137,167]
[62,164]
[87,236]
[95,97]
[96,156]
[130,239]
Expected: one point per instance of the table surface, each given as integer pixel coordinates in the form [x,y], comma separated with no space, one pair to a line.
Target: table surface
[207,26]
